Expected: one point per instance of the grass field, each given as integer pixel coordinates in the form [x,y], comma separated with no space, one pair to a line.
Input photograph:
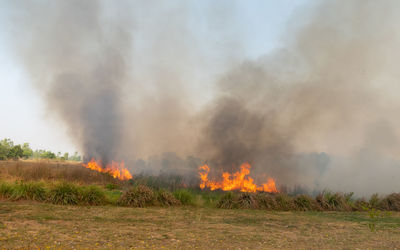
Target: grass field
[32,225]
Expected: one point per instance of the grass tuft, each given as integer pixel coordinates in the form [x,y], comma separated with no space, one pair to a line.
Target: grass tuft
[247,200]
[93,195]
[391,202]
[185,196]
[266,201]
[139,196]
[28,191]
[64,193]
[228,201]
[304,202]
[166,198]
[6,190]
[284,202]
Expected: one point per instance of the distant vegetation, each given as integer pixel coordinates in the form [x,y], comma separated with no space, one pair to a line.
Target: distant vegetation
[9,150]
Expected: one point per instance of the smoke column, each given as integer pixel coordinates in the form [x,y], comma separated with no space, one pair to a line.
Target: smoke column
[78,58]
[133,81]
[327,90]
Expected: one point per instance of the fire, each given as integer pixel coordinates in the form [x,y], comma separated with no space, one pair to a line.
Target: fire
[117,170]
[236,181]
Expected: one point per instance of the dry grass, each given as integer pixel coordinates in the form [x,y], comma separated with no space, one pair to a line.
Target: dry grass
[46,170]
[30,225]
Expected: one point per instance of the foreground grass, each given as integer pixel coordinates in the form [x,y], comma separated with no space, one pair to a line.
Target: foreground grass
[30,225]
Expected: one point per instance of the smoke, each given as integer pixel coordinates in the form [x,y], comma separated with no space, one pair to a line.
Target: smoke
[135,80]
[79,60]
[323,91]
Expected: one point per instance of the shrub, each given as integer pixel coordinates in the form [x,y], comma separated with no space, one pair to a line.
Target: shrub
[139,196]
[93,195]
[165,198]
[113,197]
[184,196]
[361,205]
[210,198]
[112,186]
[284,202]
[391,202]
[246,200]
[28,191]
[228,201]
[6,190]
[374,201]
[266,201]
[64,193]
[334,201]
[304,202]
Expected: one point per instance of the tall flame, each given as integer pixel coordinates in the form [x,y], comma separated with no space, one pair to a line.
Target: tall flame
[236,181]
[117,170]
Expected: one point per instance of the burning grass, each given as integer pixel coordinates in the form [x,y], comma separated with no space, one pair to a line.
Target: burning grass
[27,181]
[237,181]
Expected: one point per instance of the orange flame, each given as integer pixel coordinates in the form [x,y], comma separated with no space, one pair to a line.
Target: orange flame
[117,170]
[236,181]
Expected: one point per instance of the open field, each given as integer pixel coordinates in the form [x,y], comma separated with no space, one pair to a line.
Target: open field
[31,225]
[30,218]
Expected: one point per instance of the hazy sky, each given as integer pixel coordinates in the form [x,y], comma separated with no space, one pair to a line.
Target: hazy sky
[258,26]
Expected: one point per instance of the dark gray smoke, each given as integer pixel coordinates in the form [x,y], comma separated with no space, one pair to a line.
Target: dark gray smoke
[135,80]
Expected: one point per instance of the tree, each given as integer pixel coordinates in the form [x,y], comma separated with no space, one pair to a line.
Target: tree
[75,157]
[27,151]
[5,147]
[65,156]
[48,155]
[15,152]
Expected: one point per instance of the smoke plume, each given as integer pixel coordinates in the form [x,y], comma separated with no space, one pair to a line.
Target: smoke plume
[137,80]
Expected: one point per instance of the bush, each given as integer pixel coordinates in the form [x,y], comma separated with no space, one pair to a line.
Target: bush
[334,201]
[165,198]
[184,196]
[93,195]
[266,201]
[228,201]
[112,186]
[139,196]
[305,203]
[391,202]
[247,200]
[284,202]
[210,198]
[361,205]
[6,190]
[112,197]
[64,193]
[28,191]
[374,201]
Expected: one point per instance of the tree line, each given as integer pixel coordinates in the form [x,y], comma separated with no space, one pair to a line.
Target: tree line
[9,150]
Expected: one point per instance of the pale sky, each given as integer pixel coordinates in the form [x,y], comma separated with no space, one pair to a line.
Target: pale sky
[260,25]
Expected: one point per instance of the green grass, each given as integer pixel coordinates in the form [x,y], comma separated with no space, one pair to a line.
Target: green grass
[64,193]
[6,190]
[28,191]
[92,195]
[137,195]
[185,196]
